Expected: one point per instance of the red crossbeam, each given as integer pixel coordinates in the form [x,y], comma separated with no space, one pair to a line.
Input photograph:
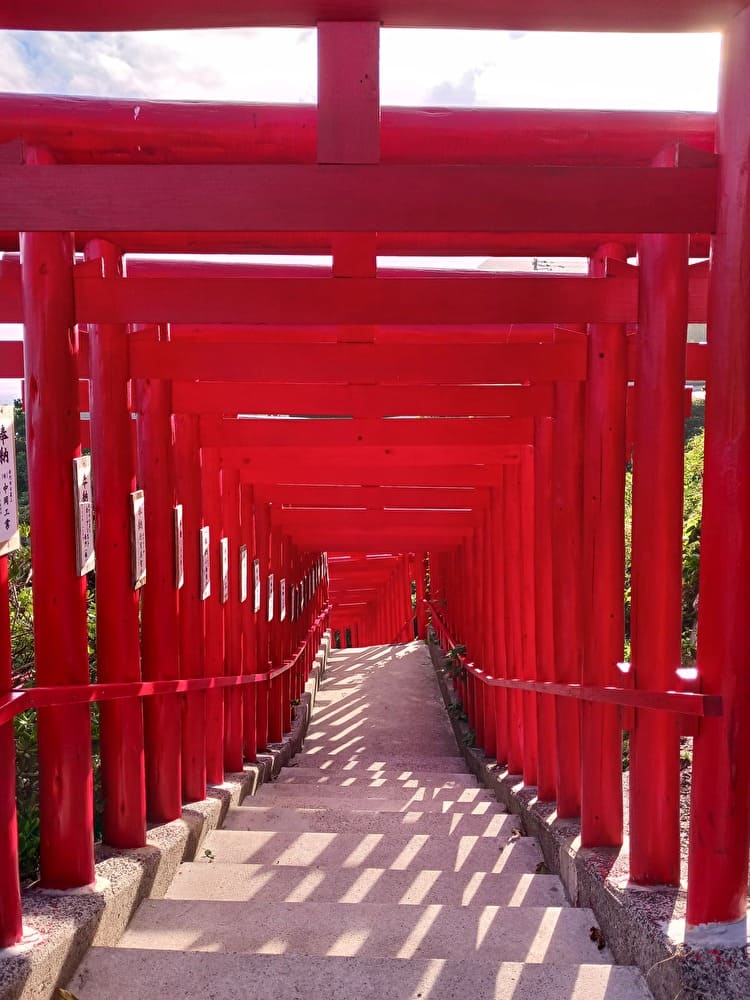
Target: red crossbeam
[525,15]
[386,197]
[86,130]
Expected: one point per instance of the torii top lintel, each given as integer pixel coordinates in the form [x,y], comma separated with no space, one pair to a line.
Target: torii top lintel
[575,15]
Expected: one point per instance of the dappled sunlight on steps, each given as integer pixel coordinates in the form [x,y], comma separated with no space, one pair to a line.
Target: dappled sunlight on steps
[380,869]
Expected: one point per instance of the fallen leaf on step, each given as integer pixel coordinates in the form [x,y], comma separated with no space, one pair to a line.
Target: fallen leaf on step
[514,835]
[596,935]
[61,994]
[541,869]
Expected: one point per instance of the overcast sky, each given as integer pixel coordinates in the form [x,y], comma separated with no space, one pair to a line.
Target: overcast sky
[448,68]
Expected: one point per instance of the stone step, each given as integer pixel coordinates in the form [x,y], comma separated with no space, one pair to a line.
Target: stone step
[364,885]
[348,820]
[377,930]
[307,782]
[440,764]
[142,974]
[405,852]
[326,798]
[393,778]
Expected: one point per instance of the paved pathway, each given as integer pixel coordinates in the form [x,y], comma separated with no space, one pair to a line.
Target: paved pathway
[375,866]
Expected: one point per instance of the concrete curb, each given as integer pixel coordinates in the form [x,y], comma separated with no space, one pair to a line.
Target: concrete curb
[67,924]
[634,920]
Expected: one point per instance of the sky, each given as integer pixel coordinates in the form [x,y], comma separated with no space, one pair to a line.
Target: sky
[418,67]
[427,68]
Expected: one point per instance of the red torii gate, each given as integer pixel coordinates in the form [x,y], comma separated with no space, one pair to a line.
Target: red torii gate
[558,493]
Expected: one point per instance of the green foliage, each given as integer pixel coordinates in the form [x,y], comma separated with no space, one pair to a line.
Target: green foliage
[691,542]
[27,795]
[696,421]
[469,739]
[453,665]
[456,710]
[21,612]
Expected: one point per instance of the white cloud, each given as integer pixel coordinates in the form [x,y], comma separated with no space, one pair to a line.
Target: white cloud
[480,68]
[261,66]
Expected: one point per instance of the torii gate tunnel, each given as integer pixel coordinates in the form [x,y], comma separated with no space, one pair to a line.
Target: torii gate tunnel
[500,490]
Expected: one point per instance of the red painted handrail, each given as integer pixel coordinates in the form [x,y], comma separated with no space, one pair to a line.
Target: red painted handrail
[681,702]
[21,700]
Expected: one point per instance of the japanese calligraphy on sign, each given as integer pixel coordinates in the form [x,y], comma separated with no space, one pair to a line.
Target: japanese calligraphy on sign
[83,499]
[10,540]
[282,600]
[256,585]
[137,539]
[179,548]
[243,573]
[270,597]
[205,553]
[224,549]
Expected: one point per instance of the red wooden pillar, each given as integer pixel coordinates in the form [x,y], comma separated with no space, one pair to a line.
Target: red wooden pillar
[285,651]
[263,542]
[478,644]
[419,573]
[249,628]
[275,691]
[213,662]
[567,476]
[117,602]
[53,435]
[489,665]
[392,614]
[603,571]
[11,928]
[512,589]
[498,620]
[409,610]
[656,575]
[160,605]
[720,810]
[233,609]
[469,631]
[192,607]
[528,625]
[544,601]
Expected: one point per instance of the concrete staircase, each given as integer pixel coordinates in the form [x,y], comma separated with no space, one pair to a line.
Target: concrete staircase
[375,866]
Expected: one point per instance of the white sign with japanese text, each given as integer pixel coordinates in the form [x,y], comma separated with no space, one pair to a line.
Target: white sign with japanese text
[224,547]
[256,585]
[270,597]
[10,539]
[243,574]
[205,553]
[137,539]
[83,499]
[179,548]
[282,600]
